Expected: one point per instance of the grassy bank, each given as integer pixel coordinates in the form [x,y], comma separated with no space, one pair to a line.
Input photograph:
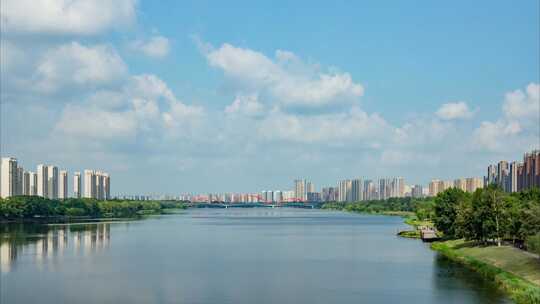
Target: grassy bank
[517,272]
[413,221]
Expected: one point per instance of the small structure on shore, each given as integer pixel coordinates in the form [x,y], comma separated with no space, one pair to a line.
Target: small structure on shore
[428,234]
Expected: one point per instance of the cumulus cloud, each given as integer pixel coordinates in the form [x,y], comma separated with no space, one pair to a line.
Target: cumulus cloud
[292,85]
[74,17]
[91,123]
[517,129]
[144,106]
[454,110]
[495,136]
[247,105]
[74,64]
[523,104]
[157,46]
[354,126]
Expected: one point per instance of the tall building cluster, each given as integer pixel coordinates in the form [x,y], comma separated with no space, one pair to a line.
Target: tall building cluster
[354,190]
[96,185]
[515,176]
[469,184]
[48,181]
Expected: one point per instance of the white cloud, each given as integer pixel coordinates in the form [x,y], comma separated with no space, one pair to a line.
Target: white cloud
[247,105]
[91,123]
[157,46]
[74,64]
[83,17]
[517,129]
[495,136]
[349,128]
[144,106]
[523,105]
[294,85]
[454,110]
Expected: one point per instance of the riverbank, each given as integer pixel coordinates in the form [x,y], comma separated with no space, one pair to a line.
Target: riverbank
[515,271]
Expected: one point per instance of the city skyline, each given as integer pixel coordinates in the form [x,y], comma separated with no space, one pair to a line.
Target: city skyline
[48,181]
[184,98]
[51,182]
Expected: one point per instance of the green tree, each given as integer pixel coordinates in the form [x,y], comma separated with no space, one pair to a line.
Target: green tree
[492,211]
[533,243]
[446,206]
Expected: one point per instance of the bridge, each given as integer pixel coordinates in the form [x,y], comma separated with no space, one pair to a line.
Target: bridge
[256,205]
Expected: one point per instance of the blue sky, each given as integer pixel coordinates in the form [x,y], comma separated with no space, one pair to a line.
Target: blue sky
[176,97]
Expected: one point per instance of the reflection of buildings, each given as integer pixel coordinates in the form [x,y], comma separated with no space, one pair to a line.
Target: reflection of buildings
[56,242]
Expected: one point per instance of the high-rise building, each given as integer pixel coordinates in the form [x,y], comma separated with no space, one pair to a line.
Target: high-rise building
[63,185]
[417,191]
[516,176]
[512,185]
[33,183]
[300,190]
[77,185]
[530,173]
[345,191]
[107,185]
[436,186]
[310,187]
[8,177]
[383,186]
[502,175]
[100,193]
[313,197]
[460,183]
[278,196]
[26,183]
[357,189]
[370,190]
[491,177]
[42,180]
[473,183]
[20,181]
[397,187]
[52,182]
[90,184]
[97,185]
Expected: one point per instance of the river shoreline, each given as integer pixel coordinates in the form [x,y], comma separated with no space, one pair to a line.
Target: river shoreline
[518,288]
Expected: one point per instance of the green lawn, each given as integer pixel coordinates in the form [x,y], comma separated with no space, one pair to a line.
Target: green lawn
[515,271]
[508,258]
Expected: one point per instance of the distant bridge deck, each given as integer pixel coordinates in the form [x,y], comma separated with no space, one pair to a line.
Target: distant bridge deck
[256,205]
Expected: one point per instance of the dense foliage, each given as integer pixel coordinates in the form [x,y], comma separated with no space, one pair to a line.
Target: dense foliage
[423,207]
[533,243]
[28,207]
[488,215]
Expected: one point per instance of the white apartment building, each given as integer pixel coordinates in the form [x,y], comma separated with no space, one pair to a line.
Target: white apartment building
[89,184]
[63,185]
[42,180]
[33,183]
[52,182]
[8,177]
[77,185]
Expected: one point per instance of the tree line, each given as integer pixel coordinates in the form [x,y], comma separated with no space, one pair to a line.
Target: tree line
[490,216]
[487,216]
[32,207]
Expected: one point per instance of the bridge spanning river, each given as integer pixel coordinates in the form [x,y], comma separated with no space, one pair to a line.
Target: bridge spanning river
[256,205]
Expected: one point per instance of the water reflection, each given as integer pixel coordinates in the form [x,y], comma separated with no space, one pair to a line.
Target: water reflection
[450,275]
[48,242]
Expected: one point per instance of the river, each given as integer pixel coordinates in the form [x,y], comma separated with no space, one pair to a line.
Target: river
[219,256]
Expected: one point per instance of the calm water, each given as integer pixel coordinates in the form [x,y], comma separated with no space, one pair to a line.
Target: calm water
[232,256]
